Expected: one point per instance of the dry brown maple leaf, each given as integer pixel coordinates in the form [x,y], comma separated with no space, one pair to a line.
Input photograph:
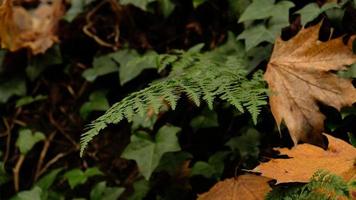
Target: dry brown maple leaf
[248,186]
[299,76]
[306,159]
[33,29]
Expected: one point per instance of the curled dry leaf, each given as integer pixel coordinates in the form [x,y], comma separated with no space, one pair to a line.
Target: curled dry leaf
[32,29]
[306,159]
[300,76]
[248,186]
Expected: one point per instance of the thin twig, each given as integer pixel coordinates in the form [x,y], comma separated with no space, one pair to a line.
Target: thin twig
[90,24]
[59,128]
[43,154]
[53,161]
[8,139]
[16,171]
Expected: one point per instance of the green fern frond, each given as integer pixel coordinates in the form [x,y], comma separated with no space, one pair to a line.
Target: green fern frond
[197,75]
[322,186]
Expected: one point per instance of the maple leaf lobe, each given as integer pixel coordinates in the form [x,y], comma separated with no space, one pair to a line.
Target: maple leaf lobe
[300,76]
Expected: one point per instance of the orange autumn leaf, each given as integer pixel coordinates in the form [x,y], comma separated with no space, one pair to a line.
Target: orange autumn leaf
[33,29]
[248,186]
[306,159]
[299,75]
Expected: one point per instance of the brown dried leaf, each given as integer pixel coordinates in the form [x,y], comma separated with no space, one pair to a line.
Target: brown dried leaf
[248,186]
[299,76]
[306,159]
[33,29]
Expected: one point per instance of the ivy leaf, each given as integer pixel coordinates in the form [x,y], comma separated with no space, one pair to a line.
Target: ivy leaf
[143,4]
[131,68]
[348,73]
[255,35]
[2,56]
[238,6]
[352,138]
[279,17]
[77,7]
[29,99]
[246,147]
[12,87]
[4,177]
[311,11]
[101,191]
[166,6]
[97,102]
[46,182]
[211,169]
[102,65]
[34,193]
[77,177]
[207,119]
[172,162]
[141,188]
[197,3]
[38,63]
[258,9]
[27,139]
[147,152]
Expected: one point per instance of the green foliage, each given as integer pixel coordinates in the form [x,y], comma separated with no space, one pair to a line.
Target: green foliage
[166,7]
[141,188]
[129,63]
[211,169]
[97,102]
[41,189]
[147,152]
[26,100]
[12,87]
[102,65]
[311,11]
[37,64]
[322,186]
[2,56]
[200,76]
[132,63]
[27,139]
[102,191]
[349,73]
[197,3]
[246,144]
[4,177]
[75,9]
[207,119]
[143,4]
[76,176]
[275,16]
[256,35]
[171,162]
[34,193]
[47,181]
[352,139]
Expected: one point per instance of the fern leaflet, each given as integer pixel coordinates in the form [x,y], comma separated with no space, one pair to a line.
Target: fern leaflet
[200,76]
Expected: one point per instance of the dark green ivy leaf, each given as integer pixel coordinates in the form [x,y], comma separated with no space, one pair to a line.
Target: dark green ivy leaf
[147,152]
[27,139]
[77,176]
[213,168]
[97,102]
[16,86]
[102,191]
